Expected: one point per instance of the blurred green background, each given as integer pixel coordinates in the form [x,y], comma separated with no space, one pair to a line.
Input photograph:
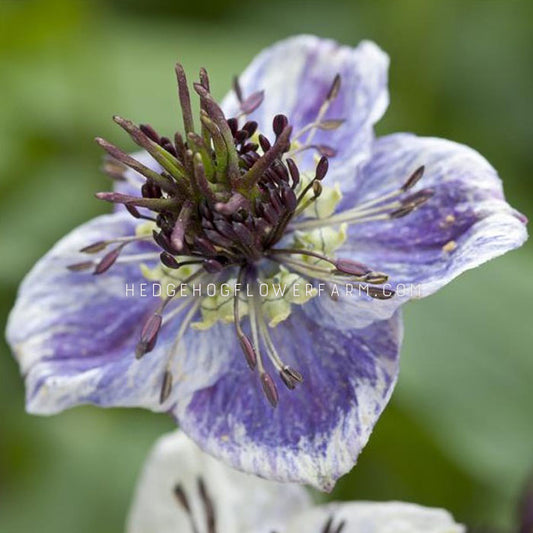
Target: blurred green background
[459,431]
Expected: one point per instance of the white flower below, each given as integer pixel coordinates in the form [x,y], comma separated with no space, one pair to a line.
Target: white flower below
[242,502]
[183,490]
[375,517]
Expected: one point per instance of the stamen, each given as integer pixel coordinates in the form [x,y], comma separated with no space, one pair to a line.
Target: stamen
[317,189]
[249,352]
[326,125]
[185,99]
[167,383]
[364,213]
[101,245]
[412,202]
[316,273]
[217,116]
[316,186]
[343,266]
[237,88]
[206,136]
[246,345]
[155,204]
[179,143]
[323,149]
[79,267]
[166,386]
[279,123]
[340,527]
[256,172]
[250,127]
[332,124]
[115,169]
[334,89]
[123,157]
[320,173]
[252,102]
[168,260]
[289,376]
[153,325]
[269,388]
[95,247]
[164,158]
[150,132]
[376,278]
[149,335]
[378,293]
[414,178]
[328,526]
[219,144]
[267,383]
[201,179]
[108,260]
[295,173]
[181,497]
[330,97]
[321,169]
[134,212]
[178,233]
[212,266]
[264,143]
[151,329]
[346,266]
[236,202]
[353,268]
[209,508]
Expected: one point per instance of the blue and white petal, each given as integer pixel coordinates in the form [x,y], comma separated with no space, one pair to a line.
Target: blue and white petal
[74,334]
[466,223]
[377,517]
[296,75]
[243,503]
[316,433]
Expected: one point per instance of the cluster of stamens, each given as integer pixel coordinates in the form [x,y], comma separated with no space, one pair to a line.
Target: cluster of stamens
[223,199]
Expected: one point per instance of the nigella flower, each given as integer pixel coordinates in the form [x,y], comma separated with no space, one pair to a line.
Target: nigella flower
[182,489]
[292,236]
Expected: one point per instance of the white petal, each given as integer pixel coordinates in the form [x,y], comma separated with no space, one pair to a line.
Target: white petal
[243,503]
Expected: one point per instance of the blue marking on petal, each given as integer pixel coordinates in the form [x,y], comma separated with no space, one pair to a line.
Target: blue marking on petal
[296,75]
[464,224]
[317,431]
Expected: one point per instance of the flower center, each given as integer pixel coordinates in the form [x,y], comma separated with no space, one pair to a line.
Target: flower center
[226,201]
[226,194]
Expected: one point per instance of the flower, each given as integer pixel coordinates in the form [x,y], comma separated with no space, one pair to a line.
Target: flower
[359,225]
[182,489]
